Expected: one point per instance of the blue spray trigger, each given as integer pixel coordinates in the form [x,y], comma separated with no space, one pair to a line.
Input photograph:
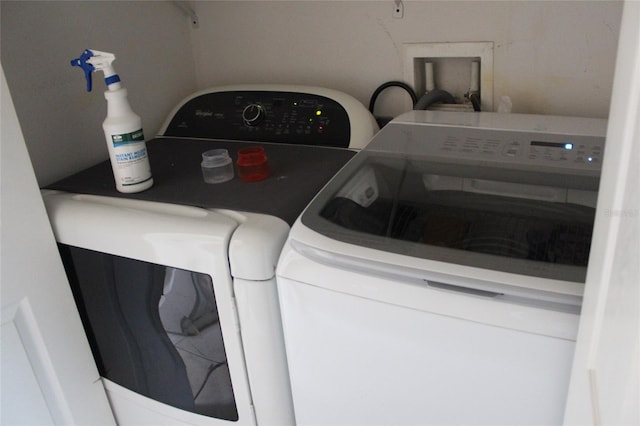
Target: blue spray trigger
[86,66]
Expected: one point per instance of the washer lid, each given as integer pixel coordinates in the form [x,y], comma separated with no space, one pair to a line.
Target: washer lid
[432,193]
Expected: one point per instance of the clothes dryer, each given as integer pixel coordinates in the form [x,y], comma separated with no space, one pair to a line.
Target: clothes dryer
[437,279]
[176,284]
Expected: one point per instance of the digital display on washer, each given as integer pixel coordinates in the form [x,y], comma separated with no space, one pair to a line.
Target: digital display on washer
[563,145]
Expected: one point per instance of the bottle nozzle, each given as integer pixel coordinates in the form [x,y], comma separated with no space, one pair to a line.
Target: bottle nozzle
[93,60]
[86,66]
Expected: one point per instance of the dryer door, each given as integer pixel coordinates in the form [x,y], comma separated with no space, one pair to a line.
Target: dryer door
[154,290]
[154,330]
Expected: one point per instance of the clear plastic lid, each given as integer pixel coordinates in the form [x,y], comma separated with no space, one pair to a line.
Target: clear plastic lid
[215,158]
[217,166]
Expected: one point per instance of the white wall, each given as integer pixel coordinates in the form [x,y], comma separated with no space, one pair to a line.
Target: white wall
[550,57]
[61,122]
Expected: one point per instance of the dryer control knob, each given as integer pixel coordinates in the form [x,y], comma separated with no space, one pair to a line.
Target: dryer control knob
[253,114]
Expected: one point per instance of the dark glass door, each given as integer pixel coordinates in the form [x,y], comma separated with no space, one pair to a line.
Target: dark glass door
[153,329]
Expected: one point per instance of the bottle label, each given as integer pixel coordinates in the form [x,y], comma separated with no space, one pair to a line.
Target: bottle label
[127,138]
[130,156]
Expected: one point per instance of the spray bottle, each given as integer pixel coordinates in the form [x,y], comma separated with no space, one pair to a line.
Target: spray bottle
[122,127]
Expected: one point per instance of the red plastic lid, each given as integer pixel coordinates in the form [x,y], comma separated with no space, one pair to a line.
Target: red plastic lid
[251,156]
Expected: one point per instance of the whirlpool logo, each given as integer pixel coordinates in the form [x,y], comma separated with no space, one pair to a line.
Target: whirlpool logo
[201,113]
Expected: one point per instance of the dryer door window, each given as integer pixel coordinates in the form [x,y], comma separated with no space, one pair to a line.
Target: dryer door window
[153,329]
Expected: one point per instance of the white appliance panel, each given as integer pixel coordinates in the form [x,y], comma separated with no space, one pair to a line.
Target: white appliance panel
[431,293]
[358,361]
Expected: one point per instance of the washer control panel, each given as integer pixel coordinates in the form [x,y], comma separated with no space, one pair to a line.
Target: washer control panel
[263,116]
[523,147]
[557,144]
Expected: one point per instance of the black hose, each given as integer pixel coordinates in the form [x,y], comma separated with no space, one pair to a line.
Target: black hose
[432,97]
[405,86]
[475,101]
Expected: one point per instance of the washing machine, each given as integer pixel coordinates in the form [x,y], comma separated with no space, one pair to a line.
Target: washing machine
[438,277]
[176,285]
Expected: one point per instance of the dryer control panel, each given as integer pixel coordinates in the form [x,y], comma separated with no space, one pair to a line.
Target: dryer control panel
[264,116]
